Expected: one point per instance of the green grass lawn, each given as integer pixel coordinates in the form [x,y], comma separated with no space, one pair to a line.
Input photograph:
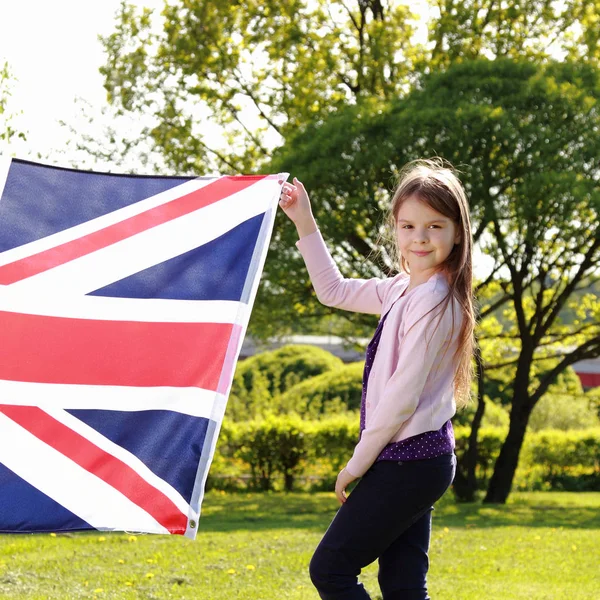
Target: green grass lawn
[541,545]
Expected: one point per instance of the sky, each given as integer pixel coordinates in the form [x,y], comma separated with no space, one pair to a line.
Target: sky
[53,51]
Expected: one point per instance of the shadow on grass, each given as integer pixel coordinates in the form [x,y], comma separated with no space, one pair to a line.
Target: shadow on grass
[315,511]
[267,511]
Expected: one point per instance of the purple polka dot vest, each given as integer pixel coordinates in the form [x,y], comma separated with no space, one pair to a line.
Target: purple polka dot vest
[424,445]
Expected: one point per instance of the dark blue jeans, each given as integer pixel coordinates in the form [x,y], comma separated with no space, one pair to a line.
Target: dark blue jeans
[387,517]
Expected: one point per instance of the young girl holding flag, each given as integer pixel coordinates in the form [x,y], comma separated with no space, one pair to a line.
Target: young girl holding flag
[417,372]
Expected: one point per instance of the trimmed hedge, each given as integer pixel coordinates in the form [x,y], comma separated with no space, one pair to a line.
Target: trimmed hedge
[330,393]
[288,448]
[261,378]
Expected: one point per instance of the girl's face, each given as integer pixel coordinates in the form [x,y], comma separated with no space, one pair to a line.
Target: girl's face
[425,236]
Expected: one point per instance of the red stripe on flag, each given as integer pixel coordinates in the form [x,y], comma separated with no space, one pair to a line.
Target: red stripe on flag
[103,465]
[59,255]
[42,349]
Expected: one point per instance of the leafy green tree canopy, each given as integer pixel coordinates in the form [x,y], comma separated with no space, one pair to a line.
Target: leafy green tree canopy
[260,70]
[7,128]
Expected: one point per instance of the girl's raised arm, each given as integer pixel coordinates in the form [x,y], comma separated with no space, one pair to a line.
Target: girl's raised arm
[332,289]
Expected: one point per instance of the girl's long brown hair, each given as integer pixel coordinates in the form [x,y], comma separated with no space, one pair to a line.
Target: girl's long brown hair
[436,184]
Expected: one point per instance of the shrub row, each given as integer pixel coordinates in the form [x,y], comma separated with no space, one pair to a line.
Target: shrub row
[286,448]
[265,376]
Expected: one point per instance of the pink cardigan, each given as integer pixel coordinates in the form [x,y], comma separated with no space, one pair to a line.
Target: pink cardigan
[410,387]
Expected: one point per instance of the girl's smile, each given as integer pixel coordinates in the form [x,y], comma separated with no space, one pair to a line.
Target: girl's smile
[425,238]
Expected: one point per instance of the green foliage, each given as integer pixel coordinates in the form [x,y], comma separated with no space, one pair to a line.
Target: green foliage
[293,62]
[558,450]
[564,406]
[262,378]
[564,412]
[593,397]
[7,130]
[559,460]
[334,440]
[508,126]
[489,442]
[269,446]
[332,392]
[289,448]
[495,415]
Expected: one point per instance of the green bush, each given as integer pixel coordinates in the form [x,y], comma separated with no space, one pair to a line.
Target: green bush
[227,472]
[593,397]
[547,458]
[269,446]
[557,450]
[261,379]
[286,448]
[334,439]
[563,411]
[489,443]
[333,392]
[494,415]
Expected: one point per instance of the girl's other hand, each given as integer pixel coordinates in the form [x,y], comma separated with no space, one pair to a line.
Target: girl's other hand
[295,203]
[344,479]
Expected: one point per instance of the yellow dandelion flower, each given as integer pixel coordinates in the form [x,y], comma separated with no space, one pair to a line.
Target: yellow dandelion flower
[101,539]
[149,575]
[150,560]
[446,530]
[132,538]
[52,535]
[574,547]
[98,591]
[128,583]
[121,561]
[231,571]
[250,567]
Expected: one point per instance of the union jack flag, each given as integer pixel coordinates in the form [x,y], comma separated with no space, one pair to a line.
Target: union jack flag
[124,301]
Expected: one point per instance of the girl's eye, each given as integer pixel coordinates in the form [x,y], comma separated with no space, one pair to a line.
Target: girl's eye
[407,226]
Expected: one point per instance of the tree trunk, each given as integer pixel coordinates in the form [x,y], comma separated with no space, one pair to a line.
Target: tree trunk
[288,482]
[508,459]
[465,486]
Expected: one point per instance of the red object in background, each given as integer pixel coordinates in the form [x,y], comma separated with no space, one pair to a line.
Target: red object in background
[588,372]
[589,380]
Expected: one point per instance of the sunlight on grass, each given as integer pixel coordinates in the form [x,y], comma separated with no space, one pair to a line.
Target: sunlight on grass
[541,545]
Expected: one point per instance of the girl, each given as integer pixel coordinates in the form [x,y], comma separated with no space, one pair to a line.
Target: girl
[417,372]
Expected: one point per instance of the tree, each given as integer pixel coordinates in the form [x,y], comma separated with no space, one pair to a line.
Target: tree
[526,139]
[255,72]
[7,130]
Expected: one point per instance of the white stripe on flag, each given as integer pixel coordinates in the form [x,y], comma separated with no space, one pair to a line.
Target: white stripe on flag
[188,401]
[151,247]
[123,455]
[80,492]
[73,233]
[53,304]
